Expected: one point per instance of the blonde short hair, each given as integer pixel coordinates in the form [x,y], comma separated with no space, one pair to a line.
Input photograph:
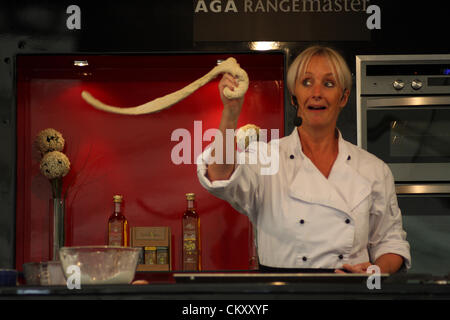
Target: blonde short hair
[298,67]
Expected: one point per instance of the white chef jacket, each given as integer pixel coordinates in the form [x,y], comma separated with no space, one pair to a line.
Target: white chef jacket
[304,220]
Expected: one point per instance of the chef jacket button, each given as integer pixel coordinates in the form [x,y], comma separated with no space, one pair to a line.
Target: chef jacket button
[349,158]
[347,221]
[302,221]
[341,257]
[304,258]
[291,156]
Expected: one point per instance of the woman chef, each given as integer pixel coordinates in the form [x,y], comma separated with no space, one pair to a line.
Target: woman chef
[331,205]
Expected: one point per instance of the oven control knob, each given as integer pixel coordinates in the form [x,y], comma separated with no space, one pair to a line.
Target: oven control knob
[416,84]
[398,84]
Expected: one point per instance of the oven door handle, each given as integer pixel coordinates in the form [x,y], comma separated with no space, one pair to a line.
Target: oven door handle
[408,101]
[422,188]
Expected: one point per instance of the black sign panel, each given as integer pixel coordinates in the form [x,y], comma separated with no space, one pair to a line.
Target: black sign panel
[281,20]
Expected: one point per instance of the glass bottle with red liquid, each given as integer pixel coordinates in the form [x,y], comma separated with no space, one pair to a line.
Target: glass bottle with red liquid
[191,236]
[118,230]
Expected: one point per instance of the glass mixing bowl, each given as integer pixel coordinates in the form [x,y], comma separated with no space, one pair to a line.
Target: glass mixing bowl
[100,264]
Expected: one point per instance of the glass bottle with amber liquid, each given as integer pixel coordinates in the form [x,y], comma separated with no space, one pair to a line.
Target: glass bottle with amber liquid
[118,225]
[191,236]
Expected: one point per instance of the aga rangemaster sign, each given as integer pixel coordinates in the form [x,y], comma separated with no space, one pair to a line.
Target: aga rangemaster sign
[403,116]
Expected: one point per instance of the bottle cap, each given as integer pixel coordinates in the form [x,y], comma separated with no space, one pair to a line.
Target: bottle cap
[190,196]
[117,198]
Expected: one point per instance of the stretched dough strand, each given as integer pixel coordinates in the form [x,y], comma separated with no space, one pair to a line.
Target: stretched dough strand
[228,66]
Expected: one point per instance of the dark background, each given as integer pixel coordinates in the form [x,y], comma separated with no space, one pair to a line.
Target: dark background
[32,27]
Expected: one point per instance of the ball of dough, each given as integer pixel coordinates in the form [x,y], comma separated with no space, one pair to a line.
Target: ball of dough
[246,135]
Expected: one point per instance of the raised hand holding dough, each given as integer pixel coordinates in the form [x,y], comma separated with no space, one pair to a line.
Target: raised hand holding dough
[228,66]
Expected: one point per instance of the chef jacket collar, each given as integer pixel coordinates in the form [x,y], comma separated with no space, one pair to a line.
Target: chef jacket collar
[294,145]
[344,189]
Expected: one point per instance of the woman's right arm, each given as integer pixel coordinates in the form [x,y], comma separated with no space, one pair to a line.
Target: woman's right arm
[220,170]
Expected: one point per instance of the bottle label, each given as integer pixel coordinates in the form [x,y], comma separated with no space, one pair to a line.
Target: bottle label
[190,255]
[189,245]
[190,248]
[115,233]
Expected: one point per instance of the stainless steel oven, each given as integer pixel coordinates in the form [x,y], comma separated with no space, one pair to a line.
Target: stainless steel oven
[403,113]
[403,117]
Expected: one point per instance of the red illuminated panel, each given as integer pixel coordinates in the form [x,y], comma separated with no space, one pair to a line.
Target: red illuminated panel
[131,155]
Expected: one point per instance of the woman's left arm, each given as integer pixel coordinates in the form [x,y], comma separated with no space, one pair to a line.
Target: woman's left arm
[388,247]
[389,263]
